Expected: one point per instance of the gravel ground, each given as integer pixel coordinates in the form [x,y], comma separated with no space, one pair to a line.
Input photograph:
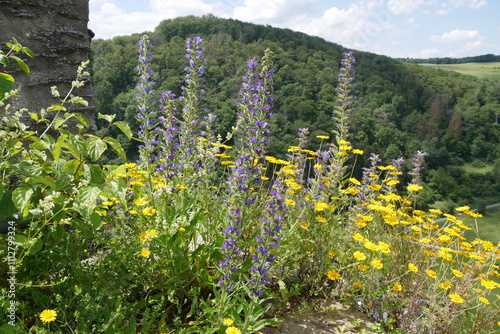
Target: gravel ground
[322,318]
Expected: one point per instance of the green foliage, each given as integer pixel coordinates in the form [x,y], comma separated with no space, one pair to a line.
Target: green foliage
[402,107]
[200,236]
[6,80]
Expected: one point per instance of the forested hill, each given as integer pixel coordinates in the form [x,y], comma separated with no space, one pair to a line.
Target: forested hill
[401,107]
[487,58]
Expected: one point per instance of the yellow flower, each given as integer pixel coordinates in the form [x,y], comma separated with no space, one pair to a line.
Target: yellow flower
[132,212]
[320,206]
[412,267]
[414,187]
[457,273]
[108,203]
[375,187]
[149,234]
[357,285]
[359,256]
[322,137]
[489,284]
[356,151]
[232,330]
[383,247]
[431,273]
[304,224]
[145,252]
[228,322]
[130,165]
[354,181]
[149,211]
[333,275]
[456,298]
[484,300]
[331,253]
[358,237]
[141,201]
[463,208]
[377,264]
[320,219]
[362,267]
[445,285]
[48,316]
[397,287]
[290,202]
[370,245]
[182,229]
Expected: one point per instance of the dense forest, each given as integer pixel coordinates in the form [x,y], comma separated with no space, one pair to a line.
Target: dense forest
[401,107]
[449,60]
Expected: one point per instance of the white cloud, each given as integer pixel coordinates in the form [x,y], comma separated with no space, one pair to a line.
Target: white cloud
[410,20]
[427,53]
[355,26]
[398,7]
[443,11]
[107,19]
[454,36]
[277,11]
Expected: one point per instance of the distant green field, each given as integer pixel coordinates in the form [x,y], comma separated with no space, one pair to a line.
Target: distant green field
[488,225]
[489,71]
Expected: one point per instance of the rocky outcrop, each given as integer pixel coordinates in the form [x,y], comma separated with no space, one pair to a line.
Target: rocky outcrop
[56,31]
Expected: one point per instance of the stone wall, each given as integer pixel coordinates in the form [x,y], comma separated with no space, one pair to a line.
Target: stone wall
[56,31]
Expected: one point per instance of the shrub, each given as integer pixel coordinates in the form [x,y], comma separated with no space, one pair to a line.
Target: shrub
[208,234]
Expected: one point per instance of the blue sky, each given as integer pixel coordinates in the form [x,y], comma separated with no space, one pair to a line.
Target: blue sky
[396,28]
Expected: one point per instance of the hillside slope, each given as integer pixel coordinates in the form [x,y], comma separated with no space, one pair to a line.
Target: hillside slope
[401,107]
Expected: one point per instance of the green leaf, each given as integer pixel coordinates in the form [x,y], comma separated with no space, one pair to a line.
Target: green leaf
[4,60]
[87,197]
[22,198]
[96,221]
[34,116]
[28,52]
[21,64]
[77,147]
[37,246]
[125,127]
[5,87]
[44,180]
[7,207]
[79,100]
[132,327]
[97,177]
[29,170]
[71,166]
[63,181]
[9,329]
[108,118]
[95,147]
[61,142]
[1,190]
[82,119]
[115,144]
[56,107]
[6,77]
